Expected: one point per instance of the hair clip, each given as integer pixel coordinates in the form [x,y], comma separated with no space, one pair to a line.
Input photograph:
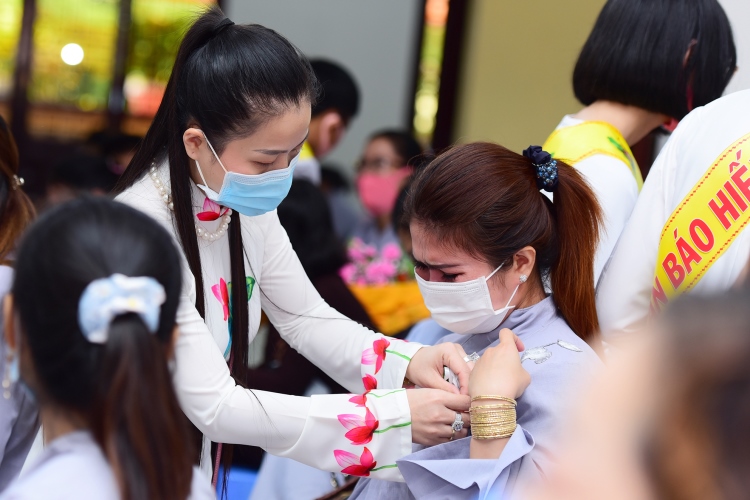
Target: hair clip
[545,167]
[106,298]
[16,182]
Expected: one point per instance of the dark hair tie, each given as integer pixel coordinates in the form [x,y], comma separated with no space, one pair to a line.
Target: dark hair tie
[224,23]
[544,166]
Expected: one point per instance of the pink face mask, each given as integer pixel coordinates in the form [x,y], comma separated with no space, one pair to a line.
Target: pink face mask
[378,192]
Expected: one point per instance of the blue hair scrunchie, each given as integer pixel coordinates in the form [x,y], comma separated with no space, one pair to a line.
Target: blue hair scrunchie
[545,167]
[106,298]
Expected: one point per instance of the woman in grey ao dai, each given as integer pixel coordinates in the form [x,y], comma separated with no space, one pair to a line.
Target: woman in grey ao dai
[484,237]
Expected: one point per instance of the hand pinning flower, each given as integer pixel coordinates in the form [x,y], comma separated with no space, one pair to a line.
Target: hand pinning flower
[370,383]
[353,465]
[376,355]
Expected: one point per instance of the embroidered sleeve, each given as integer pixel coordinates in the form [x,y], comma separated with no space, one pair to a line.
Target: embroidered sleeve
[384,360]
[360,435]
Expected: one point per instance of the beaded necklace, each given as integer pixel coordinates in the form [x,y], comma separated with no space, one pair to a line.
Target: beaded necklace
[202,232]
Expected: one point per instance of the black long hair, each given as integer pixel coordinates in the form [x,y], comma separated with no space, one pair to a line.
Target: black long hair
[123,387]
[635,55]
[228,79]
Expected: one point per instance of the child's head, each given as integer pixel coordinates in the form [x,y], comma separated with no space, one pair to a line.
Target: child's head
[665,56]
[91,321]
[337,105]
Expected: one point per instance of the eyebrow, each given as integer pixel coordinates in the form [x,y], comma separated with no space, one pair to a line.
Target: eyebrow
[435,266]
[280,151]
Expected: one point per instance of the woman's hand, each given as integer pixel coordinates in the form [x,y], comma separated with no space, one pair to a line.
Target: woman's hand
[433,413]
[426,367]
[499,372]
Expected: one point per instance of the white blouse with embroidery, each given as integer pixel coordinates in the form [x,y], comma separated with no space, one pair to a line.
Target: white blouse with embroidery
[363,434]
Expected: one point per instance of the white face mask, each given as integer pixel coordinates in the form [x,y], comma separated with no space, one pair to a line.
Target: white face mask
[465,307]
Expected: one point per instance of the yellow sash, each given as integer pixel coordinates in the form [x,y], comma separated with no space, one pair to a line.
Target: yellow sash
[306,152]
[578,142]
[703,225]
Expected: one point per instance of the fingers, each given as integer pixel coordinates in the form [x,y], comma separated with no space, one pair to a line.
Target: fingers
[456,402]
[436,382]
[453,358]
[508,336]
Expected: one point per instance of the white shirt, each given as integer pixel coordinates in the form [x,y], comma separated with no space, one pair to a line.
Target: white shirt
[73,466]
[306,429]
[624,291]
[616,191]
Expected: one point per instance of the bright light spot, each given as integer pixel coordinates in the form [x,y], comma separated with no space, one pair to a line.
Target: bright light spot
[72,54]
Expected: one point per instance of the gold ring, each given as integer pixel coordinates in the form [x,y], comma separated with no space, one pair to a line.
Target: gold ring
[453,434]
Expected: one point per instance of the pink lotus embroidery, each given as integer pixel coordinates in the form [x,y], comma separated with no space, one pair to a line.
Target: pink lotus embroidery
[222,293]
[360,429]
[370,383]
[354,465]
[211,211]
[376,355]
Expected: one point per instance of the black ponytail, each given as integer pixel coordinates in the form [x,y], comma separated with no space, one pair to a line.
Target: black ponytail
[132,412]
[121,388]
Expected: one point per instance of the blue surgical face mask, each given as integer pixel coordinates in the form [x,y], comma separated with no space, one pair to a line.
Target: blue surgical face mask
[250,194]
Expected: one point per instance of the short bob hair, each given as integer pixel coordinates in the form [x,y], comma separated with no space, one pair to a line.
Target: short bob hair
[635,55]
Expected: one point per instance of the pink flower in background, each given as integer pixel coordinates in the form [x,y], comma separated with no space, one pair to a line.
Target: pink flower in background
[391,252]
[211,211]
[360,428]
[376,355]
[369,252]
[348,273]
[370,383]
[354,465]
[357,250]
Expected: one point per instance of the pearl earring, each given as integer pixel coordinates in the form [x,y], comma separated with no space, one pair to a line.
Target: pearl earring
[523,278]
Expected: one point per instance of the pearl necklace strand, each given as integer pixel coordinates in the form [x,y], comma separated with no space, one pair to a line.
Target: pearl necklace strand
[202,233]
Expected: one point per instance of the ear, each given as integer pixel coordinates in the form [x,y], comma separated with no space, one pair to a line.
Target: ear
[689,52]
[524,261]
[9,324]
[331,128]
[193,139]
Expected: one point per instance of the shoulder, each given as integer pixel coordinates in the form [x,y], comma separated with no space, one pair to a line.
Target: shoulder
[144,196]
[52,479]
[557,352]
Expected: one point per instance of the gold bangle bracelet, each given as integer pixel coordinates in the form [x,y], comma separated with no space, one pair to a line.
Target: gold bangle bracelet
[497,398]
[502,405]
[496,433]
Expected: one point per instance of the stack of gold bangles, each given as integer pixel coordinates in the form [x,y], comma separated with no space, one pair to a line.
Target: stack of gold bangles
[493,421]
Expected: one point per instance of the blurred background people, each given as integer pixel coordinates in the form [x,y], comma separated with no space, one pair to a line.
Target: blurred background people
[337,105]
[18,411]
[388,159]
[687,232]
[108,279]
[668,419]
[646,63]
[78,175]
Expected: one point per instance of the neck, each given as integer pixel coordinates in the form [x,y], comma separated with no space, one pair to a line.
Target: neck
[632,122]
[533,295]
[58,422]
